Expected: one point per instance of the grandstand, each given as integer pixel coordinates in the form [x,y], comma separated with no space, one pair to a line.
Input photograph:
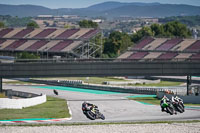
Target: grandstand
[164,49]
[65,42]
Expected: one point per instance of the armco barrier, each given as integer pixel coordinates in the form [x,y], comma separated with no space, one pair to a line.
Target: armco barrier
[21,103]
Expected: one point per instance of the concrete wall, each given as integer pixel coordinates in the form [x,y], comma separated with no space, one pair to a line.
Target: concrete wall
[101,68]
[186,99]
[21,103]
[10,93]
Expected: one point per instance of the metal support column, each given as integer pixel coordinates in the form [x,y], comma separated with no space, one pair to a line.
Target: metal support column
[1,87]
[189,81]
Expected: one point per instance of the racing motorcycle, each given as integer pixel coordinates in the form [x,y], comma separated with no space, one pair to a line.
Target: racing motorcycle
[169,108]
[178,104]
[92,112]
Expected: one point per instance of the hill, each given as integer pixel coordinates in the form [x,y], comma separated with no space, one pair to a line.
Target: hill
[107,9]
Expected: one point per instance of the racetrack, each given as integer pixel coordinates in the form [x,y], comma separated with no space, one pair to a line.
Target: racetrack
[115,106]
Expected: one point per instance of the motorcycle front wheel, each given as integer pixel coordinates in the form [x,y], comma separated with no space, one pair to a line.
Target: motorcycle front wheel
[90,115]
[170,110]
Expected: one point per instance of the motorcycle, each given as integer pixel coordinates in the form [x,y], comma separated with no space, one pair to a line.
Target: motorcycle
[178,104]
[169,108]
[92,112]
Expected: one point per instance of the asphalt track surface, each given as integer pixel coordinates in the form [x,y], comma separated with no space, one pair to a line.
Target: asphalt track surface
[115,106]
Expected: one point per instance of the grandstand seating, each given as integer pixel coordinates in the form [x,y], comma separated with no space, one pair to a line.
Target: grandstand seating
[44,33]
[23,32]
[194,47]
[125,55]
[138,55]
[152,55]
[79,33]
[164,49]
[12,33]
[15,45]
[2,41]
[34,33]
[26,45]
[71,46]
[196,56]
[183,45]
[89,34]
[3,32]
[61,45]
[6,43]
[67,33]
[154,44]
[169,44]
[167,56]
[143,43]
[49,45]
[183,56]
[36,45]
[55,33]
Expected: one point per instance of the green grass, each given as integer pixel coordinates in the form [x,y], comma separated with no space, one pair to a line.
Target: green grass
[100,80]
[154,100]
[16,82]
[2,95]
[162,83]
[92,80]
[103,123]
[150,100]
[53,108]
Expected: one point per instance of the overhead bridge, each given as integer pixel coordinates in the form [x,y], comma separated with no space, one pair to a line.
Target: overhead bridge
[97,68]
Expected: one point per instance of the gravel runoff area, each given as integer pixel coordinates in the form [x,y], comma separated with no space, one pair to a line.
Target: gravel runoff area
[111,128]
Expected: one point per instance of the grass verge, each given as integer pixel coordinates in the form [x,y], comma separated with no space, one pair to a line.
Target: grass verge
[16,82]
[161,84]
[2,95]
[104,123]
[53,108]
[100,80]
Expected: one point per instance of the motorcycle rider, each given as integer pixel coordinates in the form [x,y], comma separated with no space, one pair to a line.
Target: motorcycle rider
[178,98]
[163,101]
[89,106]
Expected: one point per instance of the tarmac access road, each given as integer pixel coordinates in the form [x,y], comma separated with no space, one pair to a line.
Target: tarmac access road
[115,106]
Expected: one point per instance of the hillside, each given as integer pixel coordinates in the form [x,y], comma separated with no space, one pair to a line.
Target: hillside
[107,9]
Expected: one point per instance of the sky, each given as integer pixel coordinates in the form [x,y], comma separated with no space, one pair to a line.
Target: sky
[85,3]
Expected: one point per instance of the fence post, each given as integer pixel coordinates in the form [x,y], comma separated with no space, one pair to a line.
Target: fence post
[1,87]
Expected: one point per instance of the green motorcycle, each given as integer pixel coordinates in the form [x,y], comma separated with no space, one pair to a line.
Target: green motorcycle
[169,107]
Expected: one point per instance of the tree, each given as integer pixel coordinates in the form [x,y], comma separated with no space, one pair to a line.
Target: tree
[116,44]
[176,29]
[144,32]
[2,25]
[170,29]
[157,30]
[88,24]
[26,55]
[32,24]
